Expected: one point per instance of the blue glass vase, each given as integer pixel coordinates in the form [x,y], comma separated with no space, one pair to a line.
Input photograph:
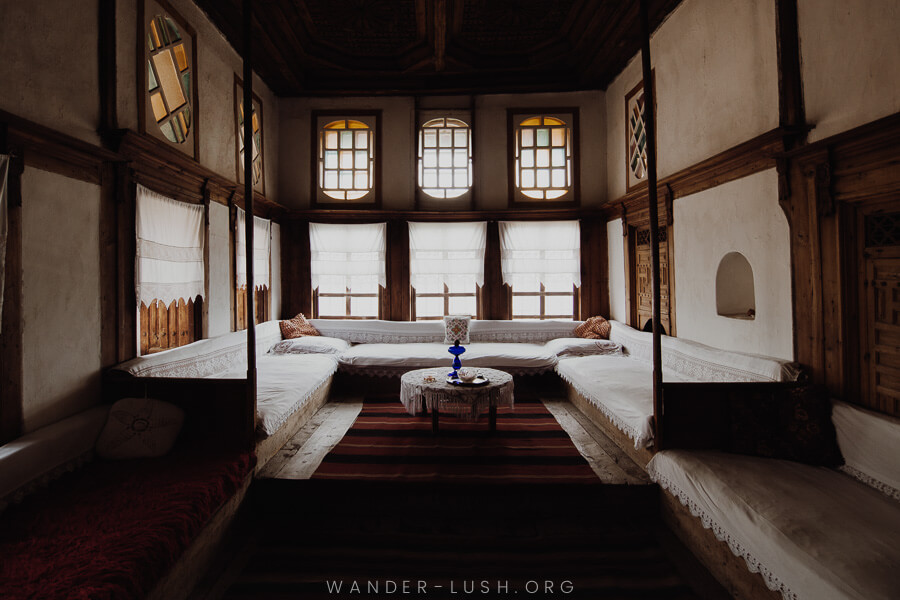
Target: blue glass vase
[455,350]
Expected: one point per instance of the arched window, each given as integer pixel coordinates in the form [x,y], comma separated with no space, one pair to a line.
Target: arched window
[346,159]
[543,158]
[445,158]
[735,296]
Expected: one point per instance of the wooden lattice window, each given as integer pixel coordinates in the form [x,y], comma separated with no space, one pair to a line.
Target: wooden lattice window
[261,306]
[883,230]
[542,165]
[163,327]
[445,158]
[540,301]
[346,160]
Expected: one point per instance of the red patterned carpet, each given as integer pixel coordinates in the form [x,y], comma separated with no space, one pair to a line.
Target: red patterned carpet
[387,443]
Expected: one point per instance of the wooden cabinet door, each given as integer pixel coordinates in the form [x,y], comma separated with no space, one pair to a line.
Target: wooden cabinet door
[642,298]
[881,328]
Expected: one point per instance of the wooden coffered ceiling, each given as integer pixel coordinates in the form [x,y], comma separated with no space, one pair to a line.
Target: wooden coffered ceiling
[366,47]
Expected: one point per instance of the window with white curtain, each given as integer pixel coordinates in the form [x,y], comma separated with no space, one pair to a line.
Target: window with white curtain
[169,270]
[541,262]
[262,250]
[347,265]
[446,268]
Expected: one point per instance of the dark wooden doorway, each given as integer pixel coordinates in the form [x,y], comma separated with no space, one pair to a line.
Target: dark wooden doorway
[642,279]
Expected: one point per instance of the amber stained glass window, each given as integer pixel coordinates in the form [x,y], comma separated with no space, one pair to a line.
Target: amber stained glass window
[169,79]
[256,142]
[346,159]
[543,160]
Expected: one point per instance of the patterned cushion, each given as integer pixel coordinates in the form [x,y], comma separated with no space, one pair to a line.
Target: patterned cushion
[297,327]
[456,328]
[138,428]
[595,328]
[791,424]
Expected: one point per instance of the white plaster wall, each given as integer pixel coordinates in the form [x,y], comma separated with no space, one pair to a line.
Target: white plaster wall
[275,262]
[739,216]
[49,50]
[61,290]
[615,252]
[397,147]
[218,63]
[716,83]
[219,295]
[850,60]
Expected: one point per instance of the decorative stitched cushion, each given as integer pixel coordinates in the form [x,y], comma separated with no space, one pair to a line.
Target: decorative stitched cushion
[791,423]
[311,345]
[456,328]
[297,327]
[582,347]
[595,328]
[139,428]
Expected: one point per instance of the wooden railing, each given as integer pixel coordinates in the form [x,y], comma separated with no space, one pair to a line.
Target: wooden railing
[261,306]
[163,327]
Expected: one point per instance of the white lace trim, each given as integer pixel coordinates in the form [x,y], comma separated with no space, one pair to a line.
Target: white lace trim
[41,481]
[640,441]
[753,564]
[282,419]
[466,403]
[529,337]
[203,365]
[888,490]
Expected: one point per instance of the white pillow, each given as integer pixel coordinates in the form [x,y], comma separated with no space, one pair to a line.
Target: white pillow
[582,347]
[139,428]
[311,344]
[456,327]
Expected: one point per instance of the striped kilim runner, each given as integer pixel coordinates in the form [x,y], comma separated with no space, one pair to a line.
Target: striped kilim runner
[387,443]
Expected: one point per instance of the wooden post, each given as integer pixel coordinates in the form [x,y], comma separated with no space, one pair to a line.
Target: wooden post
[12,366]
[650,128]
[248,207]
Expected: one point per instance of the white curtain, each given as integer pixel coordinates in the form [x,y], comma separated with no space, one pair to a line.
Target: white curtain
[547,252]
[169,261]
[347,255]
[4,172]
[447,253]
[262,247]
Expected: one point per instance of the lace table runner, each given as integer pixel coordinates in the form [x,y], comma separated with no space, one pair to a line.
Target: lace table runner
[466,402]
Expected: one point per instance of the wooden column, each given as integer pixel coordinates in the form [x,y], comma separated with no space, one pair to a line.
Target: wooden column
[11,337]
[650,128]
[594,269]
[791,112]
[248,206]
[494,294]
[126,304]
[109,308]
[296,292]
[395,302]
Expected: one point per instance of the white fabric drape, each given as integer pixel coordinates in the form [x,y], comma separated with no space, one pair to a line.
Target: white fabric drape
[541,251]
[4,173]
[262,248]
[354,254]
[447,253]
[169,261]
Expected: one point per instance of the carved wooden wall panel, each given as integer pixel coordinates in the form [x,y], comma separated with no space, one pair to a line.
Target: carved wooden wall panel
[642,308]
[881,382]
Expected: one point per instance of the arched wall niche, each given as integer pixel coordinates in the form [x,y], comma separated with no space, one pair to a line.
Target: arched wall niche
[735,295]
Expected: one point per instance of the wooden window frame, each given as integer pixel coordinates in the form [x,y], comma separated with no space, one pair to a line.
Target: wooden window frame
[543,294]
[238,134]
[424,197]
[570,115]
[143,56]
[318,198]
[348,295]
[446,295]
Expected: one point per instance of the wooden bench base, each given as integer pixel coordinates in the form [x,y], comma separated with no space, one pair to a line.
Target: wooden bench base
[269,446]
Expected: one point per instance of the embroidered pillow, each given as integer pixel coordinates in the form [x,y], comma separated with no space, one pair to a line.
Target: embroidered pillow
[311,345]
[139,428]
[595,328]
[456,328]
[791,424]
[582,347]
[297,327]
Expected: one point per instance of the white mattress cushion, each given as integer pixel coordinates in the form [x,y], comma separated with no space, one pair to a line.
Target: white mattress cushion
[416,356]
[698,362]
[620,387]
[311,344]
[582,347]
[870,444]
[284,383]
[811,532]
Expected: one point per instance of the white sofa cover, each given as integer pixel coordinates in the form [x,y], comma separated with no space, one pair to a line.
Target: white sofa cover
[621,387]
[284,382]
[811,532]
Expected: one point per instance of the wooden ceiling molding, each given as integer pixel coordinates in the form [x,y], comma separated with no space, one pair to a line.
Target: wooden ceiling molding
[383,47]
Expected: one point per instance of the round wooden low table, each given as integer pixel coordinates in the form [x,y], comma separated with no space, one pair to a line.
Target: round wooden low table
[464,401]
